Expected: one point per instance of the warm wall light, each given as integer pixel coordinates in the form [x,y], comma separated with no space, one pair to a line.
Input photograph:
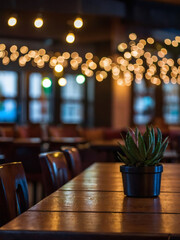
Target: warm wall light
[70,38]
[38,22]
[78,22]
[12,21]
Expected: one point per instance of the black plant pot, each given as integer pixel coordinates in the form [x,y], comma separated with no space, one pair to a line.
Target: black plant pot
[141,181]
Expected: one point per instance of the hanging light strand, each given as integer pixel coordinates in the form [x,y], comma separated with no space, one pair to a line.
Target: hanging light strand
[135,61]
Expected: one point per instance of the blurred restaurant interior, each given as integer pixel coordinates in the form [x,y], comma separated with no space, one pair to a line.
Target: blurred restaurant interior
[76,79]
[117,66]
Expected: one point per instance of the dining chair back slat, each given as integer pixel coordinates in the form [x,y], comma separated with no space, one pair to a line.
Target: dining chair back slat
[73,159]
[14,198]
[54,171]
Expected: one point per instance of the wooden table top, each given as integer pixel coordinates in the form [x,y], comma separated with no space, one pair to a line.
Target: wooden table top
[67,140]
[106,144]
[93,206]
[27,142]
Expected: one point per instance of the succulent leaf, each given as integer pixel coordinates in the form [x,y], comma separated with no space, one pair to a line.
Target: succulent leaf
[155,155]
[159,135]
[142,147]
[145,138]
[133,149]
[153,139]
[127,154]
[142,150]
[133,135]
[136,133]
[122,158]
[164,146]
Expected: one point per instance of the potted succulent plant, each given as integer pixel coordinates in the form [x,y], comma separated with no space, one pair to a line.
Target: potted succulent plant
[141,155]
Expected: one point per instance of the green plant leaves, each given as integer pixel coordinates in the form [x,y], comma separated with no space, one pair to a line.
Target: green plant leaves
[146,150]
[142,146]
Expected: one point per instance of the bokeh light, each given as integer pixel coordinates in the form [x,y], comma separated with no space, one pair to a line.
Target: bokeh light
[80,79]
[62,82]
[58,68]
[70,38]
[38,22]
[12,21]
[78,22]
[46,82]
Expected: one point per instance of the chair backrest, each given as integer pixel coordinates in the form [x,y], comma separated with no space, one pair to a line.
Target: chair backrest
[14,197]
[73,159]
[54,171]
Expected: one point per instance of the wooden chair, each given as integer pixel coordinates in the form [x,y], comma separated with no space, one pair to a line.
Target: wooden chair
[73,159]
[14,198]
[54,171]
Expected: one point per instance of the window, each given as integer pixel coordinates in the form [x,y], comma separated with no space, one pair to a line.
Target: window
[39,99]
[30,99]
[72,95]
[72,112]
[144,103]
[171,109]
[8,96]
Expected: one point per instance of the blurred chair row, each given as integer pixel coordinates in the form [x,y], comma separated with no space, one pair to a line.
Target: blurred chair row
[45,131]
[58,167]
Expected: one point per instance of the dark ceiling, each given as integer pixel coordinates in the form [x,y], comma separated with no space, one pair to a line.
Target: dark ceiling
[99,18]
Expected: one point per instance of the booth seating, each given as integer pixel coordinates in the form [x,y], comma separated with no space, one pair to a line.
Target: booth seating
[58,131]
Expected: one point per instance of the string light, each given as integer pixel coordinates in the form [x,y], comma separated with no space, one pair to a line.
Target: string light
[70,38]
[80,79]
[78,22]
[58,68]
[62,82]
[38,22]
[150,40]
[46,82]
[133,62]
[132,36]
[12,21]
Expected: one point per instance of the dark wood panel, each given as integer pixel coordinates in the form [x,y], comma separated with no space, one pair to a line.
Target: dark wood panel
[78,201]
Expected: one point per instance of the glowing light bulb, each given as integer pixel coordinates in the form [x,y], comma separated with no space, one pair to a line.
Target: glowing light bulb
[46,82]
[58,68]
[62,82]
[132,36]
[78,22]
[80,79]
[70,38]
[38,23]
[12,21]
